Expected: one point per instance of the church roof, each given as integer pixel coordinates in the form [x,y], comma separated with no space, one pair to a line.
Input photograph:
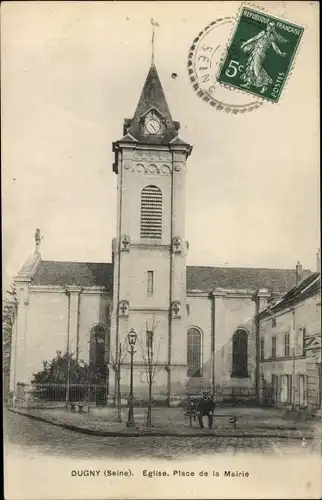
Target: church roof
[87,274]
[240,278]
[153,100]
[152,96]
[200,278]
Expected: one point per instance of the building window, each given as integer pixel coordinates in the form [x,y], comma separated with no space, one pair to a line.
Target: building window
[273,347]
[194,352]
[240,357]
[97,354]
[273,322]
[275,389]
[303,341]
[150,283]
[287,345]
[151,212]
[287,389]
[262,348]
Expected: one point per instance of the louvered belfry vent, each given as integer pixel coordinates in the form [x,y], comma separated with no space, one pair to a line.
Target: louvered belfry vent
[151,213]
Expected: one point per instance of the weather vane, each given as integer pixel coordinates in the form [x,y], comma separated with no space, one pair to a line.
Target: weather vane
[153,25]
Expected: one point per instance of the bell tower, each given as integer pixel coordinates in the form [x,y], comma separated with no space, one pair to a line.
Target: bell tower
[149,252]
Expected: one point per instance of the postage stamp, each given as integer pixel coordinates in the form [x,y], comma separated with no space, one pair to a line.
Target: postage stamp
[260,54]
[204,57]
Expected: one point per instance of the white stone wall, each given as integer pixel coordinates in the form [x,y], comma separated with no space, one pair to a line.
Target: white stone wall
[44,322]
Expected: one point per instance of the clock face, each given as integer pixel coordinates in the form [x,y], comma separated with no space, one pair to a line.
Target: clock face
[152,126]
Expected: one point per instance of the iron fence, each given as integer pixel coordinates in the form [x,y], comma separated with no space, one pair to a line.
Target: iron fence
[71,392]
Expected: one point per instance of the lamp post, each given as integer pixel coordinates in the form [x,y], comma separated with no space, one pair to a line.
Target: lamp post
[149,341]
[132,336]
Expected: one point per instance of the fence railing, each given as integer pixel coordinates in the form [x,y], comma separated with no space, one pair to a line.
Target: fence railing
[224,391]
[64,392]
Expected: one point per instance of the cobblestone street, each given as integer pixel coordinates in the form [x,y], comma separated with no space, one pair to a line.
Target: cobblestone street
[39,437]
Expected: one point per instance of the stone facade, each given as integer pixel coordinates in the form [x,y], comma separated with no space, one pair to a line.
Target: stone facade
[290,347]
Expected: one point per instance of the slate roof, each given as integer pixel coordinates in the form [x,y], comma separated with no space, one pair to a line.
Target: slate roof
[242,278]
[307,287]
[89,274]
[152,97]
[198,277]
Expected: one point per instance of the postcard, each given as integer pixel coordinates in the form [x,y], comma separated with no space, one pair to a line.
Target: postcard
[161,253]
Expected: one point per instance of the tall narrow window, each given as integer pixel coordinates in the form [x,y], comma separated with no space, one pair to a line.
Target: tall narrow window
[262,348]
[240,355]
[150,283]
[194,352]
[151,212]
[275,391]
[273,347]
[303,341]
[287,345]
[97,356]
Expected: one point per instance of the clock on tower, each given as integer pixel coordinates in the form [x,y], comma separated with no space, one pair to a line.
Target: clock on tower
[152,124]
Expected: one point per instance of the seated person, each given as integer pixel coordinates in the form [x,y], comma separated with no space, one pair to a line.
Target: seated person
[206,406]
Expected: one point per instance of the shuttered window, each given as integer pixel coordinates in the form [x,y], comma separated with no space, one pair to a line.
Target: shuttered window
[240,354]
[151,213]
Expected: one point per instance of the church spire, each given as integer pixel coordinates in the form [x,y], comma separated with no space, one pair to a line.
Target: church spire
[152,97]
[152,122]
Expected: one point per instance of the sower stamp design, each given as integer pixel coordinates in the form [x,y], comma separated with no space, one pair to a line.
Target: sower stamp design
[204,59]
[260,55]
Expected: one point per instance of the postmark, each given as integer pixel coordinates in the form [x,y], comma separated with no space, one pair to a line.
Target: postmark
[260,55]
[204,58]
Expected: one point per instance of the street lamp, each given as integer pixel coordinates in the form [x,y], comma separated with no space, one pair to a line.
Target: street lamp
[132,336]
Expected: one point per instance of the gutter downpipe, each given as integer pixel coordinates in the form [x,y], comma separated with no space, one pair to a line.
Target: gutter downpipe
[120,172]
[170,293]
[213,360]
[257,343]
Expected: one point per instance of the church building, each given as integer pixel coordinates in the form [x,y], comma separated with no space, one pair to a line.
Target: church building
[199,318]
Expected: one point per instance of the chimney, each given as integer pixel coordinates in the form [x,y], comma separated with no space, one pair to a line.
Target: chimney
[299,271]
[37,240]
[318,261]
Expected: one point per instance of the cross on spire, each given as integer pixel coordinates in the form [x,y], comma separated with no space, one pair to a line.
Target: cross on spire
[152,41]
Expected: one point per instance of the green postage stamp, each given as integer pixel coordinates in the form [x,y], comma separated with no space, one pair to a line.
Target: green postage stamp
[260,54]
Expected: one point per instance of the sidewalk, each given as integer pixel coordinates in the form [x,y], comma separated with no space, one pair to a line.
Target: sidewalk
[251,422]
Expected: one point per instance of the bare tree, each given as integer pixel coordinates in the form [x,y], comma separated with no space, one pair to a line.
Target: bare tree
[9,308]
[150,361]
[116,365]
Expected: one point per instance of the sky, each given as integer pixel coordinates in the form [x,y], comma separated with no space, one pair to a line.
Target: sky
[71,73]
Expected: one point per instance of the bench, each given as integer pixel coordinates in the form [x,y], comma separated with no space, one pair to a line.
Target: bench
[77,407]
[192,414]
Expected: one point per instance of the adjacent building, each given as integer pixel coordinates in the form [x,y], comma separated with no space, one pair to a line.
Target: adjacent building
[289,331]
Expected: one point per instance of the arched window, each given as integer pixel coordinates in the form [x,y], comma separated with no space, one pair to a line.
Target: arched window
[98,344]
[194,352]
[151,212]
[240,356]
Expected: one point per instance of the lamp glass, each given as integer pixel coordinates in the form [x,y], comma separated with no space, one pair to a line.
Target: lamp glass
[132,337]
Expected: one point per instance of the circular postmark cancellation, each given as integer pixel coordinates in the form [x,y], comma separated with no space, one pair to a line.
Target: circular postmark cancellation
[204,60]
[238,65]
